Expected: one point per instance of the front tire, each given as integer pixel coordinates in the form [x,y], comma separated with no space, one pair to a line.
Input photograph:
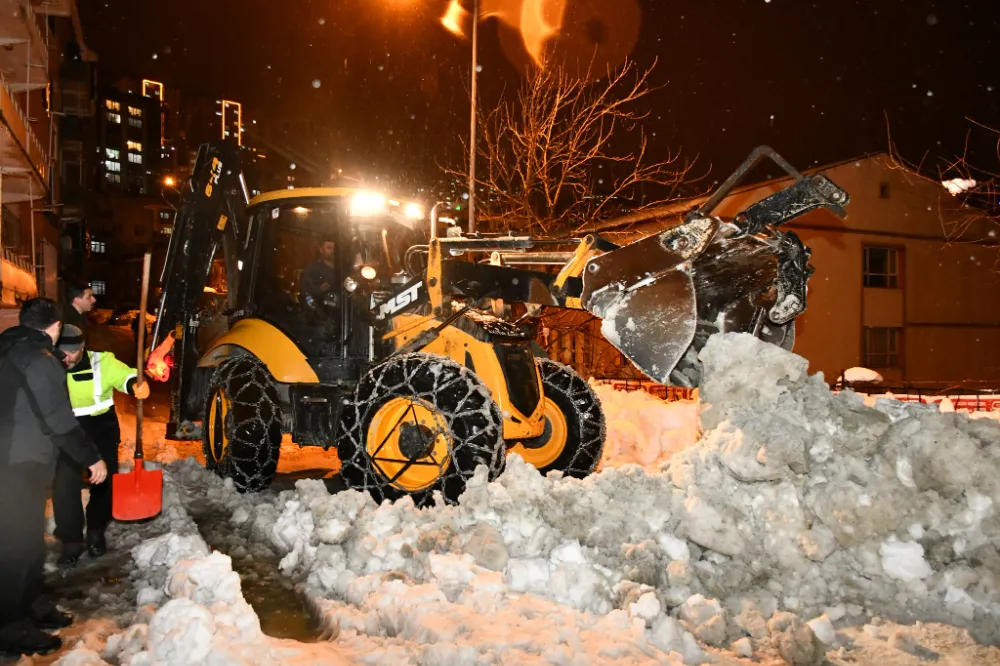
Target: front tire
[419,424]
[242,425]
[573,441]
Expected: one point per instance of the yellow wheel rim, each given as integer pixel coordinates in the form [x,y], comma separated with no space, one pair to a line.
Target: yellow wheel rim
[218,442]
[547,452]
[409,443]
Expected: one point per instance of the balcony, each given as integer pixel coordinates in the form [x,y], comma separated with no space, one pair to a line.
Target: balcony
[17,282]
[24,53]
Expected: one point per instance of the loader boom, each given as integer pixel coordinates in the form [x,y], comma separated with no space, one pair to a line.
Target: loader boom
[661,296]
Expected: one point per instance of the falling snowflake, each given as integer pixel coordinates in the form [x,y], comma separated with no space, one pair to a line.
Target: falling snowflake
[930,93]
[155,56]
[932,19]
[316,83]
[322,21]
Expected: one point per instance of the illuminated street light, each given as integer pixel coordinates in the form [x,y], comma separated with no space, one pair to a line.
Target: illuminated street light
[169,181]
[451,22]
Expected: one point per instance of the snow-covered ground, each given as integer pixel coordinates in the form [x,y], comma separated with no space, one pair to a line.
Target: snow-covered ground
[793,531]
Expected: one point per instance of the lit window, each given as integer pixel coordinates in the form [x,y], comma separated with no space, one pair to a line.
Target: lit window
[112,105]
[112,166]
[113,153]
[133,111]
[98,287]
[97,247]
[115,178]
[880,348]
[135,146]
[165,215]
[134,122]
[135,158]
[166,231]
[114,118]
[881,267]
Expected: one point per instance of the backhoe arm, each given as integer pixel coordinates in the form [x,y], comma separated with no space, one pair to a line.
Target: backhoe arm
[212,217]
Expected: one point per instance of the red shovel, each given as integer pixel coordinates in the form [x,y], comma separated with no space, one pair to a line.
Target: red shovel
[138,494]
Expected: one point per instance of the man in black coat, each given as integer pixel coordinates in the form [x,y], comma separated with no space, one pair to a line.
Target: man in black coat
[36,420]
[81,301]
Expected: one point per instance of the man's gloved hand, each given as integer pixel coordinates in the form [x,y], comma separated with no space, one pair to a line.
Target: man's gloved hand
[141,391]
[98,472]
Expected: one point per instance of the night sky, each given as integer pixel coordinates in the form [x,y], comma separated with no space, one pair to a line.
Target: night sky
[817,80]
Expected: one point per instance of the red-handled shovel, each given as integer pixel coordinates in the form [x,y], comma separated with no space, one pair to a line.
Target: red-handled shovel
[138,494]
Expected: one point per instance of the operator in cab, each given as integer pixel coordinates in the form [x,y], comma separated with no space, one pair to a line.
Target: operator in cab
[319,279]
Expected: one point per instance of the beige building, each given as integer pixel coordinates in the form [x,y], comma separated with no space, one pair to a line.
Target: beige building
[897,288]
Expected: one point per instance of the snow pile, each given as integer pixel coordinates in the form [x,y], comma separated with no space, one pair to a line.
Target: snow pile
[832,503]
[861,376]
[800,512]
[644,430]
[796,500]
[191,608]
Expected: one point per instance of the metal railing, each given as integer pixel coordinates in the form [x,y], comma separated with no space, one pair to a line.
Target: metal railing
[21,130]
[19,260]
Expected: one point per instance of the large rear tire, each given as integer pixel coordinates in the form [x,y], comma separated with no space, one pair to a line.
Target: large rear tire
[242,424]
[573,441]
[419,424]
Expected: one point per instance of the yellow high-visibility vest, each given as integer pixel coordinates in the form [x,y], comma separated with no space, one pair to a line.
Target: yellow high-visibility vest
[91,390]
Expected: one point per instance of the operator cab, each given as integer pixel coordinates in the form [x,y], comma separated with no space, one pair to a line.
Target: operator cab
[315,259]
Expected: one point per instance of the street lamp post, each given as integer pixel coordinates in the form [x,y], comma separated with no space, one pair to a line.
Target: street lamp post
[472,122]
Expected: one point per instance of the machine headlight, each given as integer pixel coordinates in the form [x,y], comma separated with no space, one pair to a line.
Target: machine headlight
[350,284]
[368,272]
[414,211]
[365,204]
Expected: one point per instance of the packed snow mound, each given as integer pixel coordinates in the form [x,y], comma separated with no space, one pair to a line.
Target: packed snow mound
[644,430]
[861,376]
[796,499]
[798,513]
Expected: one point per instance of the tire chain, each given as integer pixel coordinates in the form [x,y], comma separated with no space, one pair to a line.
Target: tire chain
[564,380]
[414,375]
[256,395]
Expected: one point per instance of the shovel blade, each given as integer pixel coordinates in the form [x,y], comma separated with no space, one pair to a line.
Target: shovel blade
[138,494]
[651,323]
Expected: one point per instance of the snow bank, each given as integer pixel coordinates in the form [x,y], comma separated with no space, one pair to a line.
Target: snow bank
[795,499]
[644,430]
[861,376]
[798,514]
[190,607]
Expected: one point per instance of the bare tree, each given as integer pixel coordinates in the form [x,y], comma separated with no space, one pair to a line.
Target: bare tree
[567,152]
[974,213]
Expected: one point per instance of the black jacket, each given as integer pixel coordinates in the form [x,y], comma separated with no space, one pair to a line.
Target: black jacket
[35,412]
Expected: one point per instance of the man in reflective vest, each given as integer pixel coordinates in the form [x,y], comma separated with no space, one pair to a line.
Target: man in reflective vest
[93,378]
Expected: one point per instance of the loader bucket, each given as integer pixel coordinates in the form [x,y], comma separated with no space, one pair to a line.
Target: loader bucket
[645,295]
[654,323]
[662,297]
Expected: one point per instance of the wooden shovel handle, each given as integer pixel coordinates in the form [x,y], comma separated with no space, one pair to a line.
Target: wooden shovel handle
[140,354]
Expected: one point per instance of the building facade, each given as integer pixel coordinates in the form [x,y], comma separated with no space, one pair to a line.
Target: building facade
[44,68]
